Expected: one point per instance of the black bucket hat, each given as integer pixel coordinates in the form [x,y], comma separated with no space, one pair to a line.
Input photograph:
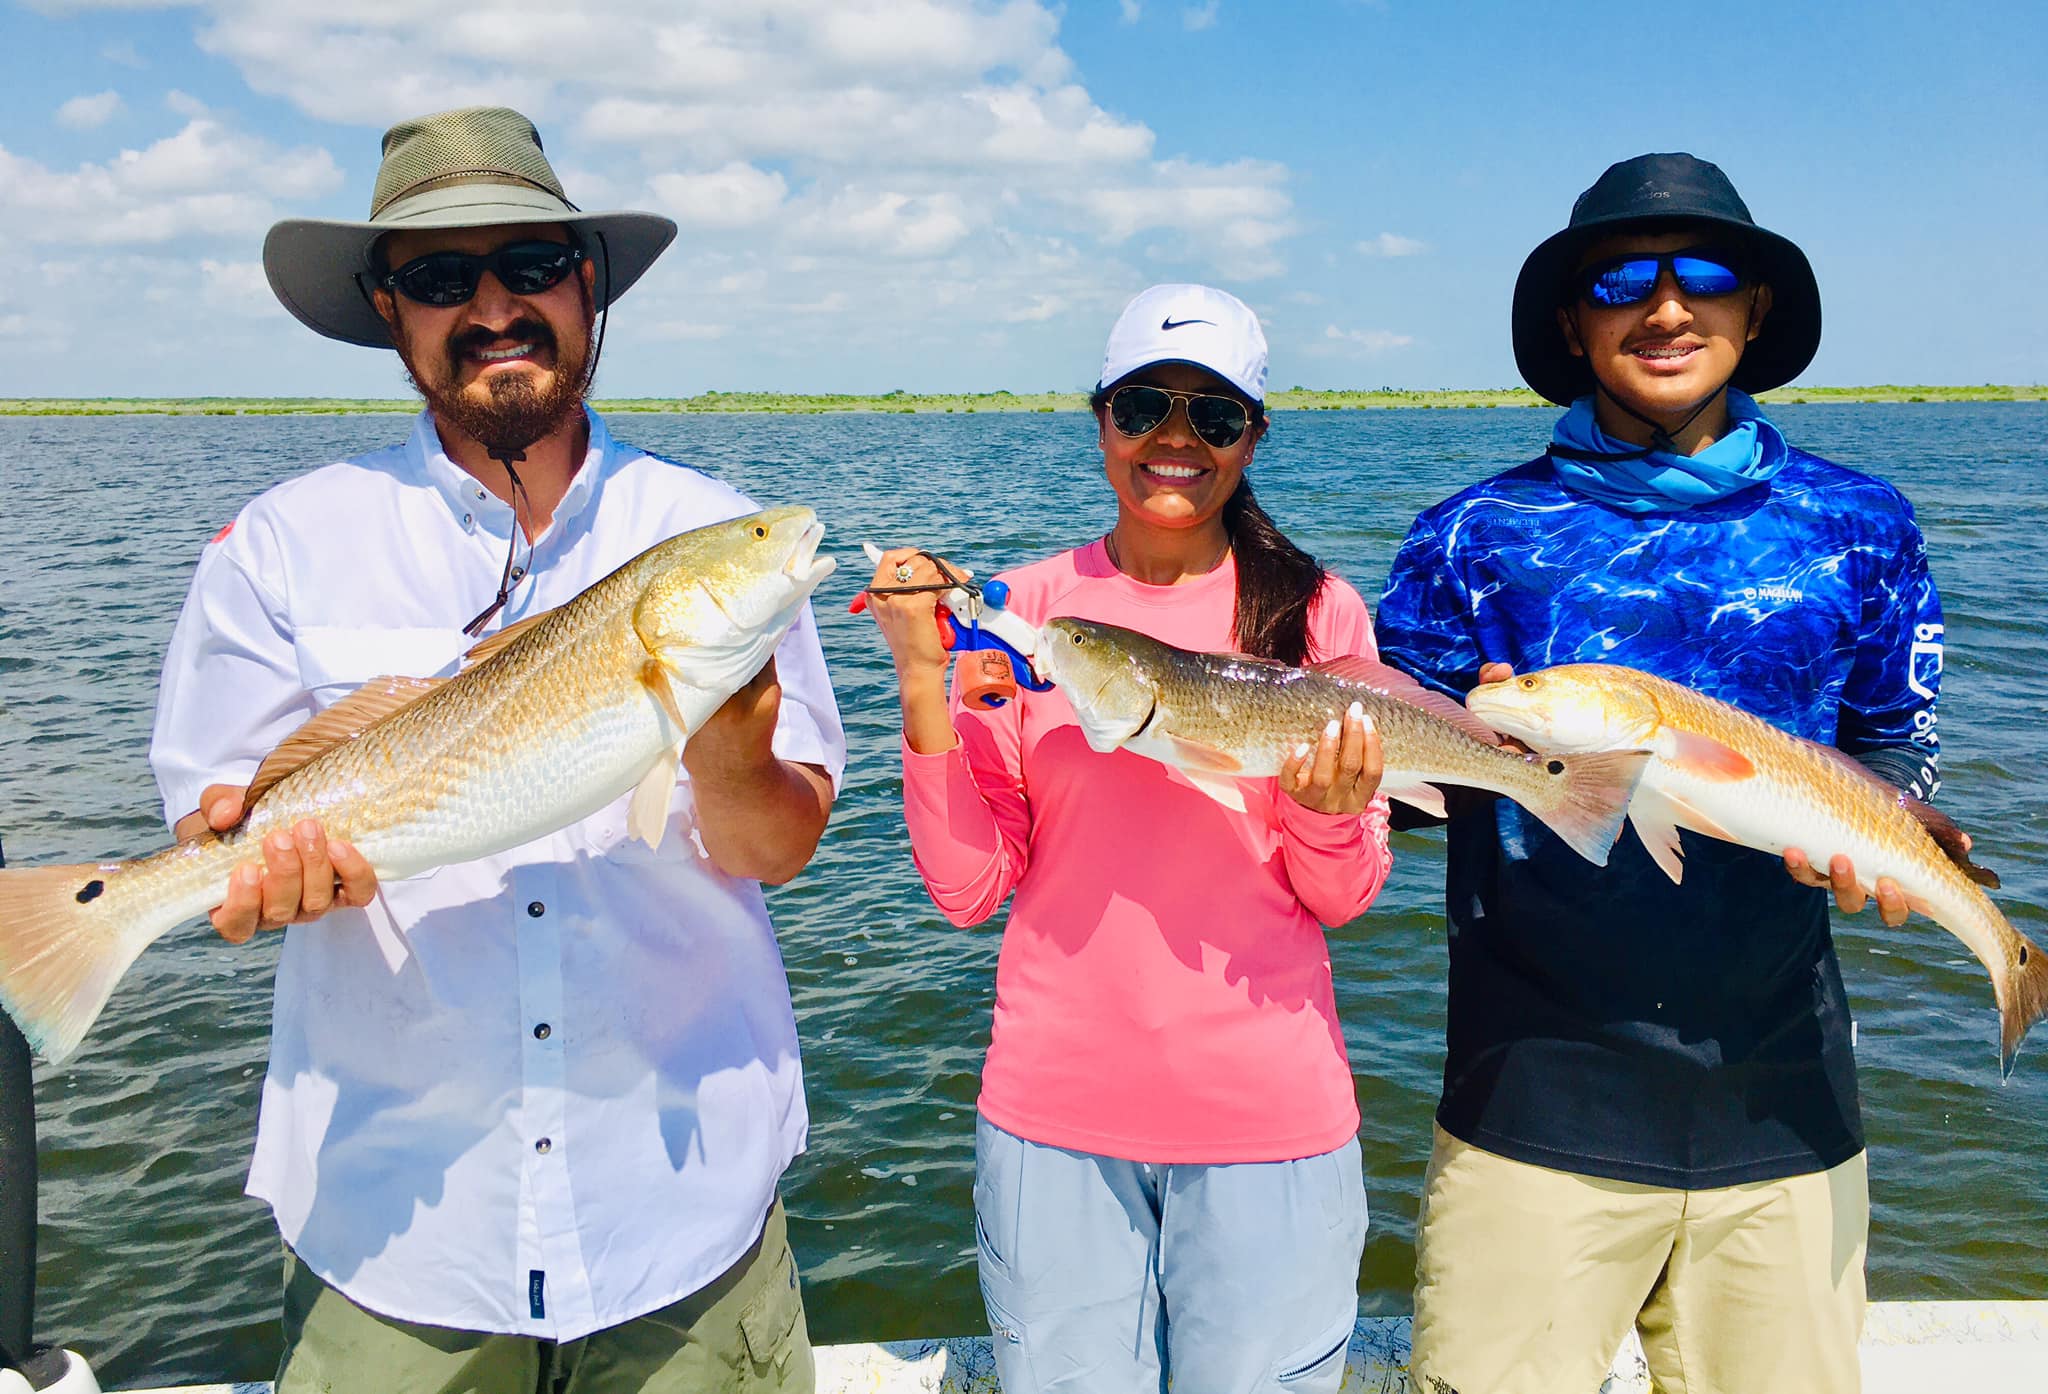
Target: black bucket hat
[1643,192]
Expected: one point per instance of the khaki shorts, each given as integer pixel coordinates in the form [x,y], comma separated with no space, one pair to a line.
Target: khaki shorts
[1527,1279]
[743,1333]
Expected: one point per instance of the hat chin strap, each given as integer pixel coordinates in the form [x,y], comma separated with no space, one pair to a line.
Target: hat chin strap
[604,259]
[506,457]
[1660,439]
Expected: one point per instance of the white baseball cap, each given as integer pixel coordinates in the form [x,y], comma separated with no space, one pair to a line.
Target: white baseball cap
[1198,325]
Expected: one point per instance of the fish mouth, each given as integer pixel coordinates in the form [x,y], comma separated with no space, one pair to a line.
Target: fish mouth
[804,565]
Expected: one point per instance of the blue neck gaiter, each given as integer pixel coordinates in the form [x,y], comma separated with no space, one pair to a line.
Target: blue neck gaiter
[1661,481]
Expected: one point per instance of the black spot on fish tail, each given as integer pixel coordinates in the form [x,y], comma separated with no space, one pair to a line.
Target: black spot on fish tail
[1555,766]
[90,891]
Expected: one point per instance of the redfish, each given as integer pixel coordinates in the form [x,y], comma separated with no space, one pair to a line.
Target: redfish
[1218,718]
[1726,774]
[554,718]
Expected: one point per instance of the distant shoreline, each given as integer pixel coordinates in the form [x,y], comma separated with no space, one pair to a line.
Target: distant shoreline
[969,403]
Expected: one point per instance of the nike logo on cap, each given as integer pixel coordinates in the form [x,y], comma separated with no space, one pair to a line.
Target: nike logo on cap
[1171,323]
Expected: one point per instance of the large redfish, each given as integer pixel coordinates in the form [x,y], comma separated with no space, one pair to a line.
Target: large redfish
[1726,774]
[1218,718]
[554,718]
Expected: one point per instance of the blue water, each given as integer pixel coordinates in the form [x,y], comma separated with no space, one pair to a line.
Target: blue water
[156,1266]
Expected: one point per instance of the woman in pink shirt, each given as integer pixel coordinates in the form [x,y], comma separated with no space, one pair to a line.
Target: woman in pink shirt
[1168,1182]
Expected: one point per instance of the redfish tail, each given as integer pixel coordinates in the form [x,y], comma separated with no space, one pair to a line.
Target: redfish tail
[61,952]
[2022,1000]
[1590,801]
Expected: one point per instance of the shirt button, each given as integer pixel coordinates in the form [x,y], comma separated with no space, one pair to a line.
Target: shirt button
[518,573]
[468,520]
[543,1031]
[536,909]
[544,1146]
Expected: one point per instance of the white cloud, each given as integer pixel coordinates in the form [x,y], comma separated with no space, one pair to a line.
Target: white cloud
[687,330]
[1356,340]
[83,113]
[1391,244]
[1235,215]
[1041,308]
[184,103]
[735,196]
[207,180]
[124,54]
[888,222]
[239,288]
[1198,17]
[916,172]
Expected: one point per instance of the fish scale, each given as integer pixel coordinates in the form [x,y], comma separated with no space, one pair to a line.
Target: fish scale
[556,719]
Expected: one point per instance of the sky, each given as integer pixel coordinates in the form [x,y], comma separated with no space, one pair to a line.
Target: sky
[959,195]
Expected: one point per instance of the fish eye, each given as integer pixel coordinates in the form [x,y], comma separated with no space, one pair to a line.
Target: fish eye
[1528,684]
[1079,640]
[759,530]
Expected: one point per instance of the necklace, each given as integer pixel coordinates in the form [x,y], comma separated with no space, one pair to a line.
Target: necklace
[1109,549]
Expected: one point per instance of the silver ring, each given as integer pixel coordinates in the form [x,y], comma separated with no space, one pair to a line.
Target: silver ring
[903,573]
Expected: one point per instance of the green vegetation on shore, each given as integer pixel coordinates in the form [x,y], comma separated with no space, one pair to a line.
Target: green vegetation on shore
[1292,399]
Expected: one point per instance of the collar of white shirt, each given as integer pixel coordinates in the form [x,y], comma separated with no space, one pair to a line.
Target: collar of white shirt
[468,499]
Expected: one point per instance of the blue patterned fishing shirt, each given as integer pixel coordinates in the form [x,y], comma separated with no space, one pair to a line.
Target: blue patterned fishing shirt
[1605,1021]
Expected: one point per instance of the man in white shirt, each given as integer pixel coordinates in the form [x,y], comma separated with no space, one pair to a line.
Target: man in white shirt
[525,1116]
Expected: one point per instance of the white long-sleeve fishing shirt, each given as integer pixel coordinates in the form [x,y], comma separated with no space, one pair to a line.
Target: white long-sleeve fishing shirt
[540,1093]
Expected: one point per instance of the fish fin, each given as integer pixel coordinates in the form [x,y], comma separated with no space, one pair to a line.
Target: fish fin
[1217,786]
[1657,827]
[344,721]
[647,816]
[655,677]
[1947,836]
[1937,825]
[1190,756]
[1426,797]
[1392,682]
[1590,801]
[1703,757]
[1688,816]
[495,644]
[60,953]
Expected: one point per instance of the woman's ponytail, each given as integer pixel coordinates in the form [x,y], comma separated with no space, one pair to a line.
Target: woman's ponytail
[1276,582]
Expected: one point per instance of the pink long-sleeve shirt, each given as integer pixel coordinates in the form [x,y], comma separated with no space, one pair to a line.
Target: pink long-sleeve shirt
[1163,992]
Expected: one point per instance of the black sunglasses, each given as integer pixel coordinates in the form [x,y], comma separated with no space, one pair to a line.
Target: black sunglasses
[1137,410]
[1631,279]
[451,278]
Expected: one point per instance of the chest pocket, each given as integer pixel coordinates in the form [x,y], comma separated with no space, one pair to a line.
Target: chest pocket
[334,661]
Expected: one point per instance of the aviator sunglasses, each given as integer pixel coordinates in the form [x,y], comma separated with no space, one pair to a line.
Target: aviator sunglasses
[1630,280]
[451,278]
[1136,410]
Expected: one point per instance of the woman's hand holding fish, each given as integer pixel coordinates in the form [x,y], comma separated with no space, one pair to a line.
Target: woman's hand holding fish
[302,876]
[1341,772]
[1840,877]
[908,626]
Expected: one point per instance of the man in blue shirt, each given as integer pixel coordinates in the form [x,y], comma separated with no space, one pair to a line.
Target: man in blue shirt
[1649,1112]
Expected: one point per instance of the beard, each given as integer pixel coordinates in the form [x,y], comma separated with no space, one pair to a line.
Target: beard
[505,412]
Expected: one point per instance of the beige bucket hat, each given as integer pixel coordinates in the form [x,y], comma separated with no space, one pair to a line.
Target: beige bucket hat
[475,167]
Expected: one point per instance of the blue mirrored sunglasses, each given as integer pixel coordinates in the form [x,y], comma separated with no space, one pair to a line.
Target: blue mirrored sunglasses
[1630,280]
